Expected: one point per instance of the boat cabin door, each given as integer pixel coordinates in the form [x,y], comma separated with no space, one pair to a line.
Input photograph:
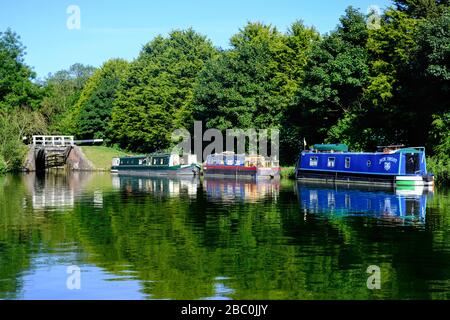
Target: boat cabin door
[412,163]
[115,162]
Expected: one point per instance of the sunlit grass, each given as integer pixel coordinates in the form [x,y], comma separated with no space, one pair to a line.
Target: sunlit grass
[101,156]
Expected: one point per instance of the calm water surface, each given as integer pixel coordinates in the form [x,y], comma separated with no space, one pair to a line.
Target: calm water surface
[135,238]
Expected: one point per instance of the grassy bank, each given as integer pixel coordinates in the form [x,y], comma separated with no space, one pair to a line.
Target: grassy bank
[101,156]
[101,159]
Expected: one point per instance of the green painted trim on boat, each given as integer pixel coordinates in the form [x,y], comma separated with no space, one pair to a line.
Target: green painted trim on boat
[406,182]
[406,188]
[409,150]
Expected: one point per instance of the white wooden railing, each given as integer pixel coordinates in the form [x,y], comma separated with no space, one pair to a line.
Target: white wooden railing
[53,141]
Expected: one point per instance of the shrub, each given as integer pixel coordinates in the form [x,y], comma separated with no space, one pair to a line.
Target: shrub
[287,173]
[440,167]
[2,165]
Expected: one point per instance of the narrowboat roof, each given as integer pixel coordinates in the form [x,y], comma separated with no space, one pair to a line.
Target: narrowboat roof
[331,147]
[411,150]
[132,157]
[146,155]
[156,154]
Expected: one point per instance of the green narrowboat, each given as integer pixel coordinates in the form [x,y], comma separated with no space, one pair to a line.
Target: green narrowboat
[157,164]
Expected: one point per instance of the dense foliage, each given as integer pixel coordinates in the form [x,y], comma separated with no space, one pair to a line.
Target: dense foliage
[94,107]
[16,87]
[360,84]
[63,90]
[156,96]
[252,84]
[19,99]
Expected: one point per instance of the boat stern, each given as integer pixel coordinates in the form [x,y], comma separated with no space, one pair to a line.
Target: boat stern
[426,180]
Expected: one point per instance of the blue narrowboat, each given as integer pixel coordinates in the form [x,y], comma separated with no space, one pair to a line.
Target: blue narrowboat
[391,165]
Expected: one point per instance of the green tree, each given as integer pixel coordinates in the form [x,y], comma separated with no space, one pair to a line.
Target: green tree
[300,40]
[336,76]
[432,73]
[94,107]
[63,89]
[16,86]
[391,50]
[422,8]
[156,95]
[242,87]
[252,84]
[19,99]
[14,126]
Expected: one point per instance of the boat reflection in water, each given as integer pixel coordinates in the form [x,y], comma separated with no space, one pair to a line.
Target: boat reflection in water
[230,190]
[400,204]
[159,186]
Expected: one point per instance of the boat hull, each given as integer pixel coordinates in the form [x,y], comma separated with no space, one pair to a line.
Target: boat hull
[241,172]
[364,179]
[148,171]
[414,181]
[345,178]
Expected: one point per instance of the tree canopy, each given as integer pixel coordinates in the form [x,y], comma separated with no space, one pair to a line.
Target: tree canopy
[94,107]
[16,86]
[156,95]
[63,89]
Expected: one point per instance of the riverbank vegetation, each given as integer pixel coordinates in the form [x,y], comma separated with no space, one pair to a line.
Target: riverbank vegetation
[371,81]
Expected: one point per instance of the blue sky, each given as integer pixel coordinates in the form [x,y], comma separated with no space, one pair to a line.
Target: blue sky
[111,29]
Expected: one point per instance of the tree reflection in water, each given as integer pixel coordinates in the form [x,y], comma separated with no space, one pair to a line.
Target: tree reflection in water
[197,239]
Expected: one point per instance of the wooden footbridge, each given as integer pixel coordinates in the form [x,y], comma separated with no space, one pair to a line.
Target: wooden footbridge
[52,151]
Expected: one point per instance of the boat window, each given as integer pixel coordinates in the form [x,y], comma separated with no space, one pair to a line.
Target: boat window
[347,162]
[313,162]
[331,162]
[369,163]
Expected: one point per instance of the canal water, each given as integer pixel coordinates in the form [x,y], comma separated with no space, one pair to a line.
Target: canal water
[98,236]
